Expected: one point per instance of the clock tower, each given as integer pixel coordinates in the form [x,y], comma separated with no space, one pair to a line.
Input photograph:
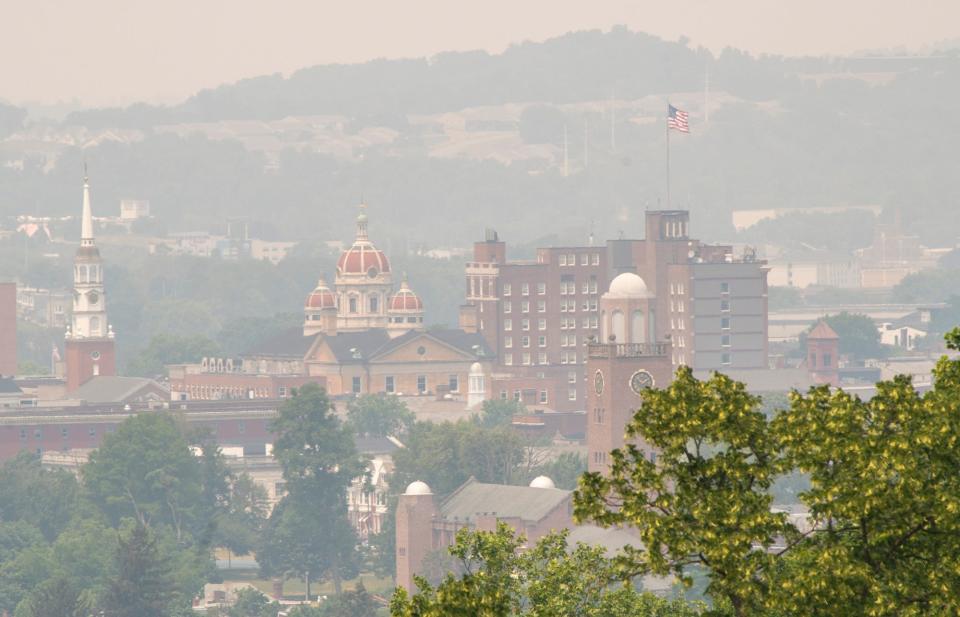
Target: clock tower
[621,365]
[89,345]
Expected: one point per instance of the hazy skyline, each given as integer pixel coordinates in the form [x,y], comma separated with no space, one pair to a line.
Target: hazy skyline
[108,52]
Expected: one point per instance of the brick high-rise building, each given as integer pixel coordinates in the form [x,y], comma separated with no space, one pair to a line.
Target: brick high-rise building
[537,316]
[8,329]
[713,305]
[89,346]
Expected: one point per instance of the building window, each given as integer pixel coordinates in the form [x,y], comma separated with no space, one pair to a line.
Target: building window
[525,325]
[356,385]
[584,259]
[541,324]
[596,259]
[282,391]
[542,357]
[374,304]
[503,395]
[542,341]
[92,431]
[543,397]
[827,360]
[571,259]
[421,384]
[571,394]
[725,359]
[23,434]
[525,289]
[508,342]
[525,341]
[506,289]
[507,325]
[563,260]
[525,307]
[725,340]
[388,384]
[454,383]
[241,427]
[571,377]
[724,323]
[353,305]
[724,306]
[724,288]
[37,433]
[541,289]
[541,306]
[508,359]
[507,307]
[526,359]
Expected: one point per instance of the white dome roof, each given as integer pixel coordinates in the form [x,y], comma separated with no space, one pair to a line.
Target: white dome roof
[628,285]
[542,482]
[418,488]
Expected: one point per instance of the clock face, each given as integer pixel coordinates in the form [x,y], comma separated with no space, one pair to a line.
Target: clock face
[639,381]
[598,382]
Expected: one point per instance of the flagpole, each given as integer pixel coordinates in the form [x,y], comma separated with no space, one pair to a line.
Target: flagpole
[667,123]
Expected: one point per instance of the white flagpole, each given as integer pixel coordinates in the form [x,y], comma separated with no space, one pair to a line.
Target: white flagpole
[668,155]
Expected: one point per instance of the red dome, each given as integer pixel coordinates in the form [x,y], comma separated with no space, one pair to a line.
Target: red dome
[405,300]
[321,297]
[363,258]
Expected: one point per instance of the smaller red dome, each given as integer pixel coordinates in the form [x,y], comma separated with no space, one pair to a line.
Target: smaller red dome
[405,300]
[321,297]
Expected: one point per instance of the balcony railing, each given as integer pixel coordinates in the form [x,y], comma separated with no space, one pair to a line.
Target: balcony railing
[626,350]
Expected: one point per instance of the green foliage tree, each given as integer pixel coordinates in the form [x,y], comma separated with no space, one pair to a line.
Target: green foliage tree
[379,415]
[565,470]
[145,470]
[308,533]
[55,597]
[47,499]
[497,412]
[252,603]
[143,585]
[356,602]
[705,499]
[167,349]
[551,579]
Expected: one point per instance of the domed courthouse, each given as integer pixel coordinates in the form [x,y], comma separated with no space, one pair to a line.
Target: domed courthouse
[360,335]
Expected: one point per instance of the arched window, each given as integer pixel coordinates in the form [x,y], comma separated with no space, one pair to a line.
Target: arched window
[636,328]
[618,326]
[353,304]
[94,326]
[374,304]
[84,275]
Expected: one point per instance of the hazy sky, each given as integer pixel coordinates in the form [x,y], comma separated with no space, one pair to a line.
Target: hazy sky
[117,51]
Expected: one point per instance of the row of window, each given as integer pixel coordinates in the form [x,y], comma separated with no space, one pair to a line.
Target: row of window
[541,398]
[526,359]
[566,306]
[567,288]
[586,259]
[390,384]
[64,432]
[525,289]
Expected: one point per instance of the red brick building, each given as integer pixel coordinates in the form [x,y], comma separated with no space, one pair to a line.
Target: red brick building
[823,354]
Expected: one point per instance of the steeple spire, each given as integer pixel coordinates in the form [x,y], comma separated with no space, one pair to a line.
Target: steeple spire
[86,221]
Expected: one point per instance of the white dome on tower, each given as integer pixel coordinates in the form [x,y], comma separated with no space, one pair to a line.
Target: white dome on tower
[628,285]
[542,482]
[418,488]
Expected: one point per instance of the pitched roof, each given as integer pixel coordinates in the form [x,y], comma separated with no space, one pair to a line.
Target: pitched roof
[822,331]
[111,389]
[524,502]
[611,539]
[290,342]
[468,343]
[357,347]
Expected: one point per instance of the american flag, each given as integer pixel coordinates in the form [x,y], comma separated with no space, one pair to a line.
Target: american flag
[678,119]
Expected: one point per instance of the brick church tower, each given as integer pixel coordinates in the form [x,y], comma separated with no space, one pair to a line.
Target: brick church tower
[89,345]
[823,351]
[622,364]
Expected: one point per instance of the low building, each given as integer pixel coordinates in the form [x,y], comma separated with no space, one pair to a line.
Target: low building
[122,390]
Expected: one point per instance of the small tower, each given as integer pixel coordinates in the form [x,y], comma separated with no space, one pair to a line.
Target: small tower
[621,365]
[363,283]
[416,510]
[320,311]
[89,346]
[823,351]
[406,311]
[476,386]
